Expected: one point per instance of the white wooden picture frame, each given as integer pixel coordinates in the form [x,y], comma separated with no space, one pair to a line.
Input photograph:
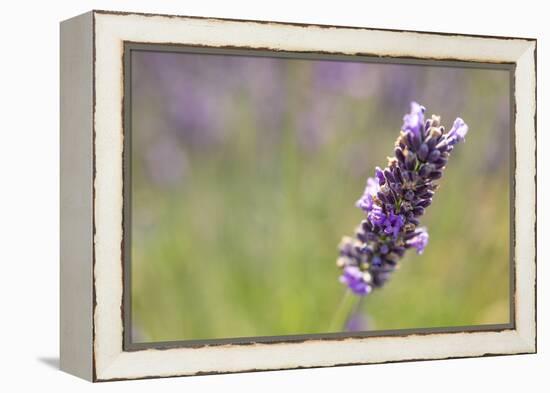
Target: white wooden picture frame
[92,196]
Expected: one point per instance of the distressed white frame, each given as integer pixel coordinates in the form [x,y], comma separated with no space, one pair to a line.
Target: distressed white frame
[109,361]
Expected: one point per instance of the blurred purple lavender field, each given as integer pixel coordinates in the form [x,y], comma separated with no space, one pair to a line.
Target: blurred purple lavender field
[245,171]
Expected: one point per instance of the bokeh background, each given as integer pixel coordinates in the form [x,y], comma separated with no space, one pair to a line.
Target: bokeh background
[245,172]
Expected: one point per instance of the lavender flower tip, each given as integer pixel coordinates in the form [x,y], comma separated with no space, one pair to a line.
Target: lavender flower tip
[414,120]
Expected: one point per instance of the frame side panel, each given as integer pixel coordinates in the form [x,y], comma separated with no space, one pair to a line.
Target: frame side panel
[76,190]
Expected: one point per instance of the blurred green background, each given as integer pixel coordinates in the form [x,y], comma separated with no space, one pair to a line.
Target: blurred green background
[245,172]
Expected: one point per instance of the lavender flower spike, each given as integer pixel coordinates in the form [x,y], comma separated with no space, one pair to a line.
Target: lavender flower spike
[395,199]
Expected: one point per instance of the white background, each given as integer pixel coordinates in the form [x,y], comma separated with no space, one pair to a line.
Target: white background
[29,197]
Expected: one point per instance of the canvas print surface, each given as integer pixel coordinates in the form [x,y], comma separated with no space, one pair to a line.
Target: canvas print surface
[277,196]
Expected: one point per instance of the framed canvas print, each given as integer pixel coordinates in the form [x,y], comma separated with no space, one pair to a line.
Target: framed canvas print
[245,195]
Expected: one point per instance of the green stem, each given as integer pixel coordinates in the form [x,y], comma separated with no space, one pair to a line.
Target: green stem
[342,313]
[359,305]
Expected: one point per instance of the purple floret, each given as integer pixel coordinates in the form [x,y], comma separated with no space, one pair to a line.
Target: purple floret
[365,203]
[389,222]
[458,132]
[357,322]
[353,278]
[419,241]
